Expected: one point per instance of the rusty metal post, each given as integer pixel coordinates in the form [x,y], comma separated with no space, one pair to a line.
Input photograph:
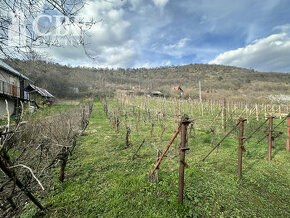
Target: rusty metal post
[288,134]
[270,138]
[166,149]
[241,148]
[184,124]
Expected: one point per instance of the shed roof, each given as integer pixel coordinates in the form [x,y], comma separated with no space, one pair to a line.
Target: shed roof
[157,93]
[11,70]
[41,91]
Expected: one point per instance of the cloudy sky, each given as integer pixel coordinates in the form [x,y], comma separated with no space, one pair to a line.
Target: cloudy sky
[151,33]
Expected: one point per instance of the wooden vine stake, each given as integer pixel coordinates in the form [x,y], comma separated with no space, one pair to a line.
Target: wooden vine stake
[241,148]
[184,124]
[270,138]
[257,112]
[247,113]
[157,169]
[288,135]
[225,115]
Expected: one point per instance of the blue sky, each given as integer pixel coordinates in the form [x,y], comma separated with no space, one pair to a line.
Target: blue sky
[152,33]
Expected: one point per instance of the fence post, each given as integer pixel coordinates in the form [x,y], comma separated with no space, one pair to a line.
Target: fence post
[184,123]
[225,115]
[270,138]
[288,134]
[157,169]
[241,148]
[257,112]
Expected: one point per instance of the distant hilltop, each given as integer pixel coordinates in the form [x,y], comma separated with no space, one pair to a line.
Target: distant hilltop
[217,81]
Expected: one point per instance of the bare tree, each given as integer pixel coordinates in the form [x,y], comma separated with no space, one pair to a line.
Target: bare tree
[24,25]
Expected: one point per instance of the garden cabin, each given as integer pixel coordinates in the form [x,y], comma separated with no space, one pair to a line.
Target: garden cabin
[39,95]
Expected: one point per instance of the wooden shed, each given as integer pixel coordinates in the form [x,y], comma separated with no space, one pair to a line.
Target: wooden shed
[39,95]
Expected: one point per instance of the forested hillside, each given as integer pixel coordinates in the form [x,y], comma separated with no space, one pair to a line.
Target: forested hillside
[217,81]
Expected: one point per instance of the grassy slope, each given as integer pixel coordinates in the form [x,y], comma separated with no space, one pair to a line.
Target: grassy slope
[103,180]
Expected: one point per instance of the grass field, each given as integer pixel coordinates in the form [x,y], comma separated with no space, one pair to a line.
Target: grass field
[103,180]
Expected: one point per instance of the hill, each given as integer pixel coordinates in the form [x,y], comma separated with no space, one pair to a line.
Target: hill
[217,81]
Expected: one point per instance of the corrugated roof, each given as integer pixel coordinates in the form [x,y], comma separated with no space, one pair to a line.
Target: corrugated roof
[41,91]
[10,69]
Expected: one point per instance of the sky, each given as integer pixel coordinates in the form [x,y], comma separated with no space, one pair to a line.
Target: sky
[153,33]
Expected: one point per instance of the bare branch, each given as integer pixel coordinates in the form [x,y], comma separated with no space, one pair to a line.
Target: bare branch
[26,167]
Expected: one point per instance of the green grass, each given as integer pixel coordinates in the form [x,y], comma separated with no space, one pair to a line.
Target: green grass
[103,181]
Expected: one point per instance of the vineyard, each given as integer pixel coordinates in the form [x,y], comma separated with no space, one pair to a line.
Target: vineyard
[152,118]
[213,136]
[227,172]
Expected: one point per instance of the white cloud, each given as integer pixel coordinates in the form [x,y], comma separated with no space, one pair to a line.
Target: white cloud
[140,32]
[154,64]
[282,28]
[113,27]
[177,49]
[160,3]
[180,44]
[107,56]
[118,56]
[266,54]
[108,41]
